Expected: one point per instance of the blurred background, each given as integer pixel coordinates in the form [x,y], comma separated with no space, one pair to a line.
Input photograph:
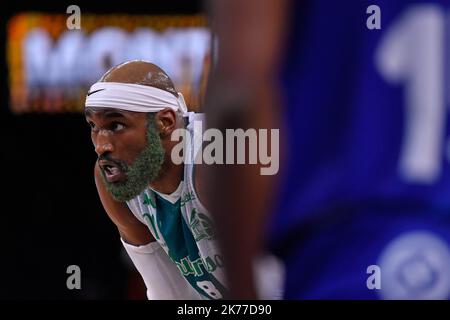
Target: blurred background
[51,214]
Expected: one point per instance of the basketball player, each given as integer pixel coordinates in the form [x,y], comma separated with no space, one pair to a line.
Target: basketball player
[362,96]
[155,204]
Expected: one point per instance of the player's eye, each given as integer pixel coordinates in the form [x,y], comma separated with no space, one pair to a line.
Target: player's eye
[116,126]
[92,126]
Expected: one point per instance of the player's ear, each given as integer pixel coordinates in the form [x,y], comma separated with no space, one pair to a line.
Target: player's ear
[166,121]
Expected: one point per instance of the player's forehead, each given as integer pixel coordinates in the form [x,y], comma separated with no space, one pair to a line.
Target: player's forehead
[92,112]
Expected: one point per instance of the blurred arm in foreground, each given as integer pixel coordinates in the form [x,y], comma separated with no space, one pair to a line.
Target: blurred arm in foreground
[243,94]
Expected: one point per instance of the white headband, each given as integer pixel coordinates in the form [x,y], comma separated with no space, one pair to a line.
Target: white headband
[133,97]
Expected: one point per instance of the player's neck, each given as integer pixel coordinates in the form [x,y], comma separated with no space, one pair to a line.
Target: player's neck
[169,179]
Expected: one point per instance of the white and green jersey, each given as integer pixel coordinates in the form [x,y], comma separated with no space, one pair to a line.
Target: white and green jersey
[184,229]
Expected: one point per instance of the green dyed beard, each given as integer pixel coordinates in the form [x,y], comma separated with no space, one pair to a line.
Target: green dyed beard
[142,171]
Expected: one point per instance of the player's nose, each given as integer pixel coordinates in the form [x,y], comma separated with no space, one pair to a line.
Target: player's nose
[103,144]
[103,148]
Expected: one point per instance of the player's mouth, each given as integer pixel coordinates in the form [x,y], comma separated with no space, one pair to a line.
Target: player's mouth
[112,171]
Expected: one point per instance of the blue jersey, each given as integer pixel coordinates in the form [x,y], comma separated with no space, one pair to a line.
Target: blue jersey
[366,118]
